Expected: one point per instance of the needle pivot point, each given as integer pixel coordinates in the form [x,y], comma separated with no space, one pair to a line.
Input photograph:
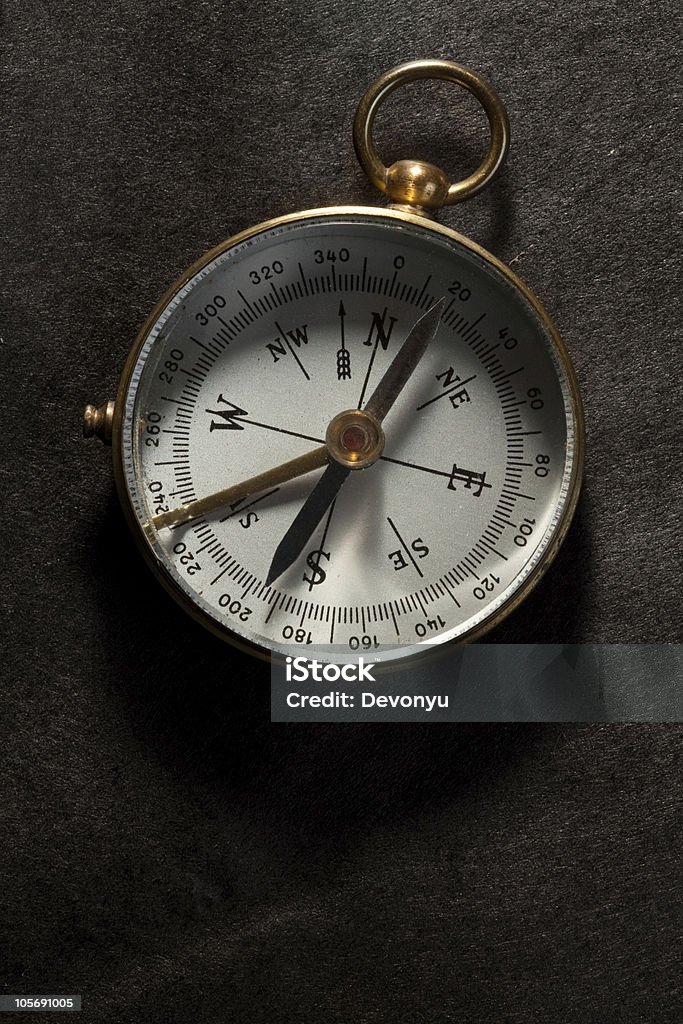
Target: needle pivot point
[355,439]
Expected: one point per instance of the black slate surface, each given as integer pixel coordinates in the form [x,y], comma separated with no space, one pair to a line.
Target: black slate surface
[165,850]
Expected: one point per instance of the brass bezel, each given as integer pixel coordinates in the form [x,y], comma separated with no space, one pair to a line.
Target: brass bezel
[358,211]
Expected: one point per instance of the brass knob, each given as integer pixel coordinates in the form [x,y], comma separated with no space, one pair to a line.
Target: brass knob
[416,183]
[98,422]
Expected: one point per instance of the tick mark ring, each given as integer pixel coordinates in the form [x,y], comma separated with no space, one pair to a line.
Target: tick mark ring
[414,182]
[354,439]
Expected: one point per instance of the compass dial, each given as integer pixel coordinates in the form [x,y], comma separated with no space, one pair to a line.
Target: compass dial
[270,338]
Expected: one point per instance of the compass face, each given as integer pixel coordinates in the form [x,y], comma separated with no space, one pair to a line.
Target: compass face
[251,358]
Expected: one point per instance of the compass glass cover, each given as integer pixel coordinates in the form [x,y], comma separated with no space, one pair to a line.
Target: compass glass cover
[254,355]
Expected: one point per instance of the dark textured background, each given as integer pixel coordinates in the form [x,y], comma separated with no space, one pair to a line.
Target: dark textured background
[159,837]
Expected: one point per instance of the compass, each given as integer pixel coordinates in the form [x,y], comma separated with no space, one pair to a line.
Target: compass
[351,430]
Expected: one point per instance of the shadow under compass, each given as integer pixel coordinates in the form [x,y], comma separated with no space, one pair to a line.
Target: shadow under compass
[297,798]
[200,710]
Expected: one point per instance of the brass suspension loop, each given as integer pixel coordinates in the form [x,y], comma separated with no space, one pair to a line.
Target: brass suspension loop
[415,184]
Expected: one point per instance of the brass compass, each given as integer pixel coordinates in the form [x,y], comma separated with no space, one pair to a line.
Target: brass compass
[351,428]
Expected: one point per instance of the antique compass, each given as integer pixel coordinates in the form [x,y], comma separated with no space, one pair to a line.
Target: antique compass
[351,429]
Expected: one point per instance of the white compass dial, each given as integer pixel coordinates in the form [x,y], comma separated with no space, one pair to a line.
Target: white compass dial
[255,354]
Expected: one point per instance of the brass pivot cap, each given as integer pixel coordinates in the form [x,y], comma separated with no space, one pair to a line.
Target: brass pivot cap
[99,422]
[413,184]
[354,439]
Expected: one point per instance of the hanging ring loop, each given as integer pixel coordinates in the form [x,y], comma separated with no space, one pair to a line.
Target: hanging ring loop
[415,183]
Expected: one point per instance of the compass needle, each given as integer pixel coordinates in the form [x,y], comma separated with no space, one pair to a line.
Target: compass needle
[229,495]
[313,510]
[405,362]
